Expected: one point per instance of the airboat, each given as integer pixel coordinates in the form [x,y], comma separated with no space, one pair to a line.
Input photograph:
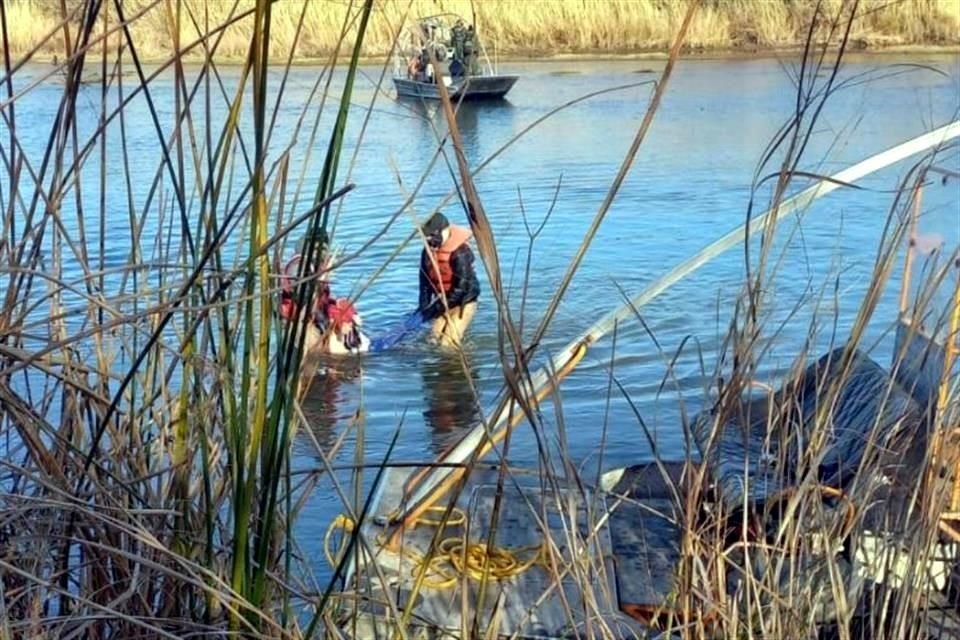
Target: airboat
[456,540]
[445,49]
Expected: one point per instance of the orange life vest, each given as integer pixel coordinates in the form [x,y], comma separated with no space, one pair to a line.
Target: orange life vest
[441,275]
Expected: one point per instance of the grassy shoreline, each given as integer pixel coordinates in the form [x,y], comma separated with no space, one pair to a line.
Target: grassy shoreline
[598,56]
[511,31]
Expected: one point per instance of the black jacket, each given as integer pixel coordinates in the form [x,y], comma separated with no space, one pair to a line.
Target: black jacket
[464,289]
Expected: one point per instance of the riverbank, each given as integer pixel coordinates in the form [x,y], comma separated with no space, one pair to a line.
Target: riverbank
[785,53]
[732,54]
[559,29]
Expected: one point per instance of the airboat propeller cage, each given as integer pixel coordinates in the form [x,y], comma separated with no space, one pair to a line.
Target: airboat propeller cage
[424,489]
[434,37]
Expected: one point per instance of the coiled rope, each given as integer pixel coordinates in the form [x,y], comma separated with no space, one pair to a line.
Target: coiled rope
[455,557]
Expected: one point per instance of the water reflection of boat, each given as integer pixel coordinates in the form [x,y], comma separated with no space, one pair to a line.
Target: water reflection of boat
[458,52]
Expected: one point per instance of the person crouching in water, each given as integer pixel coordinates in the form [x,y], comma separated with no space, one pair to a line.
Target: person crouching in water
[343,333]
[333,325]
[449,287]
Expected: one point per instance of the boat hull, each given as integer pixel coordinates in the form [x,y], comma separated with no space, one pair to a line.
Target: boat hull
[473,88]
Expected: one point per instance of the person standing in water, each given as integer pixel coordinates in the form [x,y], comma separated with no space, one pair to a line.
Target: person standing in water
[449,287]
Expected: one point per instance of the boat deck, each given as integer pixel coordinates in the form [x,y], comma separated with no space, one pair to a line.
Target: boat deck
[627,556]
[611,557]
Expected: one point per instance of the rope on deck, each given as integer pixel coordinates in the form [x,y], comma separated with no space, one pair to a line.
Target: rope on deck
[455,556]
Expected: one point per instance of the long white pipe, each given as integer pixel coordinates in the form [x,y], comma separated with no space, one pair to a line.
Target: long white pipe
[469,443]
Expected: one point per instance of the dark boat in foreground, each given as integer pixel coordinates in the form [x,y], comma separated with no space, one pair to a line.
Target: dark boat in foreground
[520,552]
[458,53]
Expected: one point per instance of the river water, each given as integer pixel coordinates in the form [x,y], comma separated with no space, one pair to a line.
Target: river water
[691,183]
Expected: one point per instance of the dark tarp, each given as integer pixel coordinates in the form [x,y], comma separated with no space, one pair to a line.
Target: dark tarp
[860,411]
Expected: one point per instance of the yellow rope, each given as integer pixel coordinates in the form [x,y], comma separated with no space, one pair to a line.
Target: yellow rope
[341,522]
[454,557]
[475,559]
[457,518]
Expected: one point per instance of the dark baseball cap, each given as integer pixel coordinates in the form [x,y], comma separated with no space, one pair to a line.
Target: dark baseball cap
[437,223]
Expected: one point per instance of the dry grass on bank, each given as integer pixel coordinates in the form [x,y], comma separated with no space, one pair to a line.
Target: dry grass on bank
[511,27]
